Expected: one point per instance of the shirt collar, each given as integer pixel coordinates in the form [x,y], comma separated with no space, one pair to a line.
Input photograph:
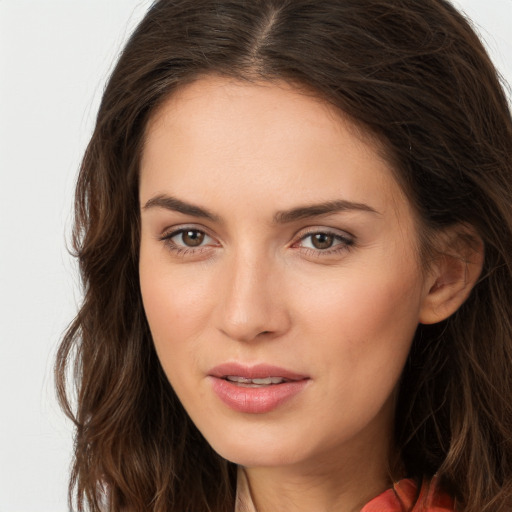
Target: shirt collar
[401,497]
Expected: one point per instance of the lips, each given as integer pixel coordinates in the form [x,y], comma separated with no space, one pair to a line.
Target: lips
[255,389]
[259,371]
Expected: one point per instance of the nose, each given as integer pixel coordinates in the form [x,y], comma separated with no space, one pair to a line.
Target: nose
[252,303]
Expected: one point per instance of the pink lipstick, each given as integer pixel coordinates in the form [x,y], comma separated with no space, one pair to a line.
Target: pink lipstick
[255,389]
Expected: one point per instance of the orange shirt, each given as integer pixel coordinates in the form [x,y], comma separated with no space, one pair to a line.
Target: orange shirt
[402,497]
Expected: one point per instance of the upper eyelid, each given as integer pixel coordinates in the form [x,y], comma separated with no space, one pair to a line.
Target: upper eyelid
[344,240]
[323,229]
[174,230]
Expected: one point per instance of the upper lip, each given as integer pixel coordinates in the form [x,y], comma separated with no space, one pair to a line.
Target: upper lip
[258,371]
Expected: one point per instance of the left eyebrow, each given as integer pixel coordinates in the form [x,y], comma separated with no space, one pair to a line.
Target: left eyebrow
[316,210]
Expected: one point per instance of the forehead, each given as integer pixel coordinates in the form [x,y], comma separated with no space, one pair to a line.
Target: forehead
[271,140]
[253,104]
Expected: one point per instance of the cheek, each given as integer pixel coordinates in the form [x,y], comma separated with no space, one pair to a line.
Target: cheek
[175,320]
[176,306]
[366,320]
[362,331]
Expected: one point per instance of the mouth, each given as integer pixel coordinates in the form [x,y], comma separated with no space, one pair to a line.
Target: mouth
[255,375]
[255,383]
[255,389]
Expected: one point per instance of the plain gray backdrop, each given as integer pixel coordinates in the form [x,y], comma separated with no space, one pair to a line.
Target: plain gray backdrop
[55,56]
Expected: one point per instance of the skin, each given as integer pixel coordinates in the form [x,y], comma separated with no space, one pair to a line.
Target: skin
[257,290]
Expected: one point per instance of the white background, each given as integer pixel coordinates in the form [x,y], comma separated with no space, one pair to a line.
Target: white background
[55,56]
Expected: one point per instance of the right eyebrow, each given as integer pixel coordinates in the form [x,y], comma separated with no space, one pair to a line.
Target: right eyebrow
[176,205]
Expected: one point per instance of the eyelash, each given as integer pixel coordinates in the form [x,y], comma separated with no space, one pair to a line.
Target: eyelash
[344,242]
[183,250]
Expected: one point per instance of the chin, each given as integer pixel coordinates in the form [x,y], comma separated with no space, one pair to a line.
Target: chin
[248,456]
[252,450]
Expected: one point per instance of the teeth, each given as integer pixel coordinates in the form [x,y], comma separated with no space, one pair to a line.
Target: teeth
[255,382]
[241,380]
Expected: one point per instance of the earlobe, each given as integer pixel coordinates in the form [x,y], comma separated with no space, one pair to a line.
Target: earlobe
[453,275]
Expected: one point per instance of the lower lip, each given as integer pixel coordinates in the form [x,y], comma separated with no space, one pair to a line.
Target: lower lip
[256,400]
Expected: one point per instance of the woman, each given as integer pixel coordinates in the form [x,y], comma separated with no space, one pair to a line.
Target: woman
[294,226]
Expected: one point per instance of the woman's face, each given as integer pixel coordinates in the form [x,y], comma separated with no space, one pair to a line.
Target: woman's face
[276,244]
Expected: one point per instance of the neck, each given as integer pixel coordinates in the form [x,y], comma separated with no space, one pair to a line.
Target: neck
[325,486]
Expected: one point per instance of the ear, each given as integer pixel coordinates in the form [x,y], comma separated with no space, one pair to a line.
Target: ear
[453,273]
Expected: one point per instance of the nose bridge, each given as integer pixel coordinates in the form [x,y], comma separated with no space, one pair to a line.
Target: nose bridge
[252,300]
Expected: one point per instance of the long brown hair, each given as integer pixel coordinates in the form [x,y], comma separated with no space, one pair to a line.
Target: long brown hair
[414,75]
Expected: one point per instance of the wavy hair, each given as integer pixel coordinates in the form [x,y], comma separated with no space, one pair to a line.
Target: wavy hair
[412,74]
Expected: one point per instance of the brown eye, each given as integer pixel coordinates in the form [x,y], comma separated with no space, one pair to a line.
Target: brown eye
[325,242]
[188,241]
[192,237]
[322,240]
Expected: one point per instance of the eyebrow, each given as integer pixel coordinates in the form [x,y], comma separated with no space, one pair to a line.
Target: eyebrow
[176,205]
[317,210]
[281,217]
